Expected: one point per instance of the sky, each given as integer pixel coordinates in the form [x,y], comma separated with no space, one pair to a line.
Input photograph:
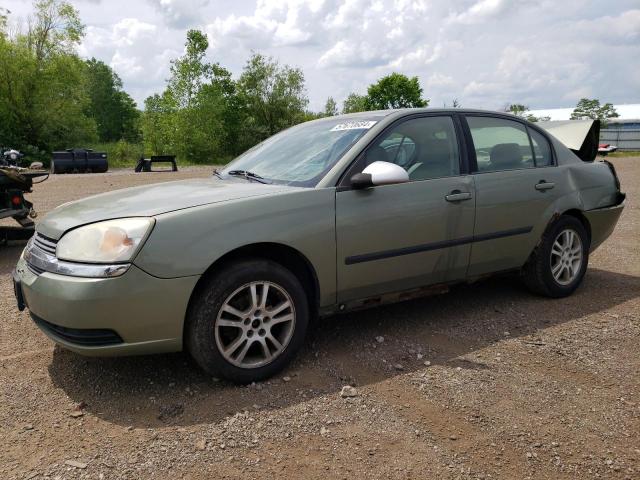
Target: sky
[484,53]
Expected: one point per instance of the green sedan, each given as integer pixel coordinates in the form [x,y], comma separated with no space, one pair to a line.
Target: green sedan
[328,216]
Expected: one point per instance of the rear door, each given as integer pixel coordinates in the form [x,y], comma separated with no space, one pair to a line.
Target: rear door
[516,184]
[396,237]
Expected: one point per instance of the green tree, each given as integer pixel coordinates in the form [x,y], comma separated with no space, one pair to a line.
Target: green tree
[522,111]
[197,116]
[220,98]
[190,71]
[157,121]
[273,97]
[113,110]
[395,91]
[43,92]
[354,103]
[62,93]
[55,28]
[591,109]
[4,17]
[174,120]
[330,108]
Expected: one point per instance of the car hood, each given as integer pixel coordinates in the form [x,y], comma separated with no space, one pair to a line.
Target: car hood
[150,200]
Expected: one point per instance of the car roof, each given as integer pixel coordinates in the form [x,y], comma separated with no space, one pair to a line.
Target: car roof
[407,111]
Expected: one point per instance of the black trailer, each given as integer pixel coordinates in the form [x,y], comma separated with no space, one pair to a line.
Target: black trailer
[79,160]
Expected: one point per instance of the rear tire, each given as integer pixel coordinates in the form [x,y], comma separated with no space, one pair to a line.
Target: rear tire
[558,264]
[247,322]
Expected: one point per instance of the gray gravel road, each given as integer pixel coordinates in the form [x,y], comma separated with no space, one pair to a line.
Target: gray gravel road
[486,381]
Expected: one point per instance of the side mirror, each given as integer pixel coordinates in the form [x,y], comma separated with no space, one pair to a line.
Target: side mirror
[379,173]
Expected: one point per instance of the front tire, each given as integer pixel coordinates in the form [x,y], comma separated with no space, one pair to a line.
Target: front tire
[247,322]
[558,265]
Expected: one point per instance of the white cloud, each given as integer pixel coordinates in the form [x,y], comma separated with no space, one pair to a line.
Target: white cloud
[125,47]
[180,13]
[483,52]
[489,51]
[352,54]
[483,10]
[440,80]
[272,24]
[130,31]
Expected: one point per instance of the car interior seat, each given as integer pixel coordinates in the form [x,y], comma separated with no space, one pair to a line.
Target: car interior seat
[505,156]
[376,154]
[434,160]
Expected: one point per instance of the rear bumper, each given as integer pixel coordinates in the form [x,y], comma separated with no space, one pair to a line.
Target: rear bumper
[603,220]
[135,313]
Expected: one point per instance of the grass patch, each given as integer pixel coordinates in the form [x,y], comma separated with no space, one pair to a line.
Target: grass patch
[628,153]
[124,154]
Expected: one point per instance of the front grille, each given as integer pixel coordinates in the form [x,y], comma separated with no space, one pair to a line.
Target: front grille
[86,337]
[45,244]
[34,269]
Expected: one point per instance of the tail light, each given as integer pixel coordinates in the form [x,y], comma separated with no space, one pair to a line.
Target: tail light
[621,196]
[615,174]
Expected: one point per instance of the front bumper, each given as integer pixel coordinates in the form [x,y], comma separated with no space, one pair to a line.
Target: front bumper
[135,313]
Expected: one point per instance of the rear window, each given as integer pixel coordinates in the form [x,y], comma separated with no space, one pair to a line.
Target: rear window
[500,144]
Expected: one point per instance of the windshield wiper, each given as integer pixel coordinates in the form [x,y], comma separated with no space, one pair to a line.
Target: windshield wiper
[247,174]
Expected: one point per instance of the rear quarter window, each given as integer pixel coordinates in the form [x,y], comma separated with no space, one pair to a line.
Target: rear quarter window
[541,149]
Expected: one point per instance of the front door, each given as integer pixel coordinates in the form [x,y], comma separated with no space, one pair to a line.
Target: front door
[396,237]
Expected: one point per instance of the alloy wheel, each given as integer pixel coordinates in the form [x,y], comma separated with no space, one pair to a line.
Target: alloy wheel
[566,257]
[255,324]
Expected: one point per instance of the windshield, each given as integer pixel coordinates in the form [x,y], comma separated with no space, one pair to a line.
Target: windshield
[301,155]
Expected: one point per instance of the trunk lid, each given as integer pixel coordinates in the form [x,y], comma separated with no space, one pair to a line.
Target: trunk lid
[580,136]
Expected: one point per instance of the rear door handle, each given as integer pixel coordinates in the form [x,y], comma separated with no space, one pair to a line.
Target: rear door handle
[457,196]
[544,185]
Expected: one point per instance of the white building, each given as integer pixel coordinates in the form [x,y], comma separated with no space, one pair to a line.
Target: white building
[629,111]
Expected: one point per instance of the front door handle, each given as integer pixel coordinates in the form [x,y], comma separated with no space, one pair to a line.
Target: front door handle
[457,196]
[544,185]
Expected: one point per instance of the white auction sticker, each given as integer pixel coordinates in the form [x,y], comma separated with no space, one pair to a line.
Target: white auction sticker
[362,125]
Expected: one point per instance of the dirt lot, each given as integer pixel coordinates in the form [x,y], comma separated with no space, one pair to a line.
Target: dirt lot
[486,381]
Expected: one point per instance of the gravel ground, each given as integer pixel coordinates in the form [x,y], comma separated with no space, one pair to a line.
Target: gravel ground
[486,381]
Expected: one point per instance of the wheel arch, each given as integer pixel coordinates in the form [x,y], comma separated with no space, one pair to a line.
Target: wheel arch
[571,212]
[285,255]
[579,215]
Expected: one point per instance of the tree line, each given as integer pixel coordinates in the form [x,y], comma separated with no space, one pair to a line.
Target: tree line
[586,109]
[49,97]
[52,99]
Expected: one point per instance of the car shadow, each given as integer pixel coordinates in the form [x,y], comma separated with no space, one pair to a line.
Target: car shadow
[157,390]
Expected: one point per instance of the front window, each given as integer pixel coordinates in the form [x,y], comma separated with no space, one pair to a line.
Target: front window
[426,147]
[301,155]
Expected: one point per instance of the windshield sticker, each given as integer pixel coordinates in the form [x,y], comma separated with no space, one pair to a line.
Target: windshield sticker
[362,125]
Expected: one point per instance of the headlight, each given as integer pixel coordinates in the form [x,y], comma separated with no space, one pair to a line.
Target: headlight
[112,241]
